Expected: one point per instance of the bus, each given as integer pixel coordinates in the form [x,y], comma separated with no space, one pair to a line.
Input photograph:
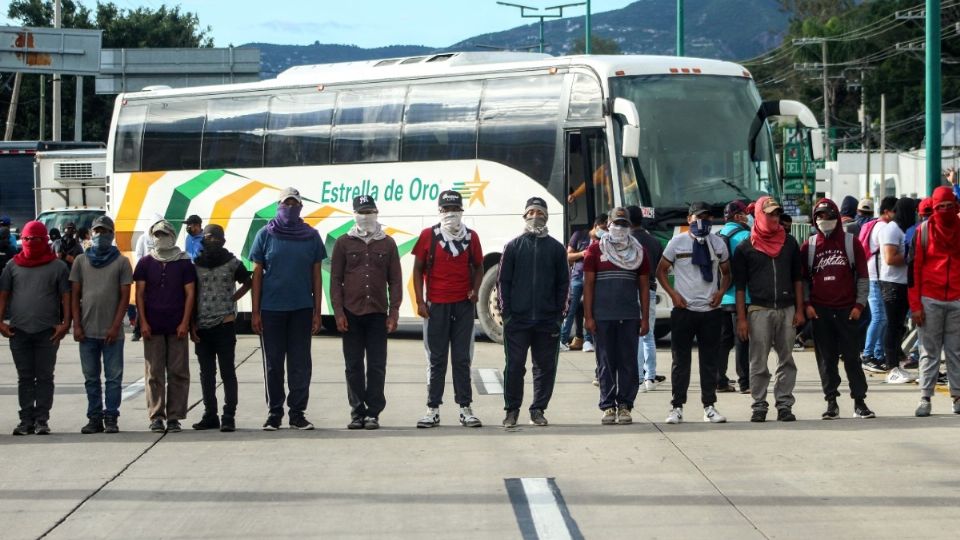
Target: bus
[586,133]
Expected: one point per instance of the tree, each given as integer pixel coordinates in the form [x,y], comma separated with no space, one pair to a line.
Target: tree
[598,45]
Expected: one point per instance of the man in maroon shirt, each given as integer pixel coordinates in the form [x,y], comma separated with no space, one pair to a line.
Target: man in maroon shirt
[835,297]
[449,256]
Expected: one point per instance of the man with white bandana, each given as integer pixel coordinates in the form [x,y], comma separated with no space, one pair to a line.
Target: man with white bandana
[616,274]
[533,281]
[364,267]
[448,255]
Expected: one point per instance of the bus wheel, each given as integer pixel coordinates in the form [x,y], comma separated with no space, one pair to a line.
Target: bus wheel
[487,310]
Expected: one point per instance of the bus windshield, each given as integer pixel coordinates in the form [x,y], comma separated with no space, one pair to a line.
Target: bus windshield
[694,145]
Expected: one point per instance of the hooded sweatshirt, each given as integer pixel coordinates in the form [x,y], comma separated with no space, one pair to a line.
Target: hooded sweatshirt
[833,283]
[936,269]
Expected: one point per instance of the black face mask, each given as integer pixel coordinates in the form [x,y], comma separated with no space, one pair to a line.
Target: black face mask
[212,244]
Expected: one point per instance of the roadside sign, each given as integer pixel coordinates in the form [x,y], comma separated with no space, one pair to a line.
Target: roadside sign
[50,50]
[132,70]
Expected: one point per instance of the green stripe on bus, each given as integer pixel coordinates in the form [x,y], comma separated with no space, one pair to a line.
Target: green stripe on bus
[259,221]
[186,192]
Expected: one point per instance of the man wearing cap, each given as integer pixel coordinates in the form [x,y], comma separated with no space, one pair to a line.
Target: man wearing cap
[194,236]
[864,212]
[616,272]
[848,215]
[101,281]
[834,268]
[166,293]
[697,258]
[366,289]
[287,255]
[214,327]
[647,352]
[734,231]
[874,357]
[769,265]
[533,282]
[69,245]
[35,287]
[935,297]
[450,259]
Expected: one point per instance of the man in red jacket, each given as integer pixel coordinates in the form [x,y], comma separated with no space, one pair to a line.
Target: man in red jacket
[835,297]
[935,296]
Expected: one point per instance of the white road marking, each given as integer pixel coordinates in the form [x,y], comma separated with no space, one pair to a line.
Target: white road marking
[490,380]
[544,509]
[132,389]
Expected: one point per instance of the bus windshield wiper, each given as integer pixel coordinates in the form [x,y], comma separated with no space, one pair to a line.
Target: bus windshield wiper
[736,188]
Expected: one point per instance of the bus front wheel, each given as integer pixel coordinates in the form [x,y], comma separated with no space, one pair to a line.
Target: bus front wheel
[487,310]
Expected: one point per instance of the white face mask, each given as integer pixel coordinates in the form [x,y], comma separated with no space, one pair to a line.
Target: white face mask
[366,223]
[451,220]
[618,233]
[163,241]
[826,226]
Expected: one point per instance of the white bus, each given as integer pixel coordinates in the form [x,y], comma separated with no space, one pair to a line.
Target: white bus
[656,132]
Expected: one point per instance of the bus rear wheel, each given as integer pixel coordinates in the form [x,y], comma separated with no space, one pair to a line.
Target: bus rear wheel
[487,310]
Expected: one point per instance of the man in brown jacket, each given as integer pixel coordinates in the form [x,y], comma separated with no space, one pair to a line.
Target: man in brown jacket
[364,268]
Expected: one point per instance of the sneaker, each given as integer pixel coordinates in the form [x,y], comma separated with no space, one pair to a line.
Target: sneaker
[596,382]
[467,419]
[173,426]
[272,423]
[609,416]
[758,415]
[301,423]
[660,378]
[564,347]
[860,410]
[924,408]
[727,388]
[899,375]
[430,419]
[576,344]
[510,420]
[94,425]
[675,416]
[24,428]
[799,345]
[833,410]
[371,422]
[712,415]
[157,426]
[207,422]
[110,424]
[623,416]
[227,424]
[745,390]
[942,379]
[42,428]
[785,415]
[650,385]
[956,405]
[873,366]
[537,418]
[588,347]
[355,423]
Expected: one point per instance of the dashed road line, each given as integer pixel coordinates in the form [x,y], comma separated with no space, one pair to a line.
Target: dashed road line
[540,509]
[132,389]
[488,381]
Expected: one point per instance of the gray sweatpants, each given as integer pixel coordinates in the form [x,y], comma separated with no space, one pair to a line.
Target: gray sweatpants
[939,333]
[772,328]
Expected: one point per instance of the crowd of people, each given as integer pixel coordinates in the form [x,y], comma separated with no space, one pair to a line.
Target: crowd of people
[748,287]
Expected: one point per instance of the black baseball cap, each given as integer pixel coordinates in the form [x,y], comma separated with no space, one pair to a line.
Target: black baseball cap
[364,202]
[698,208]
[194,220]
[825,207]
[450,198]
[733,208]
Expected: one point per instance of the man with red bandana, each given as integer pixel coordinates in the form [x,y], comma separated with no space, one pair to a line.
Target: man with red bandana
[935,296]
[36,288]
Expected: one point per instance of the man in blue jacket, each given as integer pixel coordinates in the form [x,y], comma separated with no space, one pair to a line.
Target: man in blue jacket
[533,284]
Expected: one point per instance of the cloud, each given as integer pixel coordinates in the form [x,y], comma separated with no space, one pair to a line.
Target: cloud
[301,27]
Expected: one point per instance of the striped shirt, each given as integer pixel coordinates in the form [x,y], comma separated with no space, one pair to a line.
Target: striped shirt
[616,290]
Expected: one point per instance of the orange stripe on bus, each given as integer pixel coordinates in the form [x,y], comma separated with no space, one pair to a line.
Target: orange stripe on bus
[129,211]
[321,214]
[224,208]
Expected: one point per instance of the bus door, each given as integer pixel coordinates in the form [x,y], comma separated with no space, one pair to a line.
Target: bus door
[588,187]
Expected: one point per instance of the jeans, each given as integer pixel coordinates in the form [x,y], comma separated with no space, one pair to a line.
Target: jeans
[576,300]
[542,341]
[94,355]
[286,343]
[896,307]
[218,344]
[617,361]
[647,354]
[835,337]
[35,356]
[366,336]
[705,326]
[878,324]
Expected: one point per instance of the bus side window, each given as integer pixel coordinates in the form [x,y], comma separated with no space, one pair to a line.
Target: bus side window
[440,121]
[298,130]
[129,139]
[233,135]
[367,125]
[171,140]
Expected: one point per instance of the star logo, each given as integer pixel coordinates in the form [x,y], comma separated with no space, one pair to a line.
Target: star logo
[472,190]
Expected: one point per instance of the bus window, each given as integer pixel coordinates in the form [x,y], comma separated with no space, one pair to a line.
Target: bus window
[129,139]
[171,141]
[440,121]
[585,99]
[367,125]
[298,130]
[233,135]
[518,124]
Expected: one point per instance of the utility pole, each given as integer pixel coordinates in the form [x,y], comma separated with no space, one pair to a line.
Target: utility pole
[679,27]
[57,23]
[883,139]
[826,102]
[559,14]
[43,106]
[12,111]
[933,95]
[586,47]
[78,111]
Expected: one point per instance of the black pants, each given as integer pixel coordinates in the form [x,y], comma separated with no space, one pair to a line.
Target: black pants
[218,344]
[705,326]
[835,336]
[543,341]
[449,329]
[35,356]
[896,307]
[617,369]
[366,336]
[729,340]
[286,342]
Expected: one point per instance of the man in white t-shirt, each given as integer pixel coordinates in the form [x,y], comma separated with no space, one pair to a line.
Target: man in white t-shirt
[701,274]
[873,353]
[893,287]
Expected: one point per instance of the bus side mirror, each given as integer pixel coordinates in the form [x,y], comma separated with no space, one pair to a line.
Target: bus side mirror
[631,127]
[816,144]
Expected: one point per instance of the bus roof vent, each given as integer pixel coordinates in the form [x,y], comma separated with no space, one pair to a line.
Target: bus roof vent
[387,62]
[440,57]
[413,60]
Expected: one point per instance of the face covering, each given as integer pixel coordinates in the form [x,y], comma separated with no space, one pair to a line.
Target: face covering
[618,233]
[35,252]
[700,228]
[599,233]
[750,221]
[366,223]
[288,215]
[102,242]
[536,225]
[826,226]
[451,220]
[101,252]
[163,241]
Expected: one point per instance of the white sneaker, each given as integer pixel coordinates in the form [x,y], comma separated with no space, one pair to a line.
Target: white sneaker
[712,415]
[430,419]
[899,375]
[564,347]
[650,385]
[675,416]
[588,347]
[467,418]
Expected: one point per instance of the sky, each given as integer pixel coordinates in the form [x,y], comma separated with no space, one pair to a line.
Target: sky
[365,23]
